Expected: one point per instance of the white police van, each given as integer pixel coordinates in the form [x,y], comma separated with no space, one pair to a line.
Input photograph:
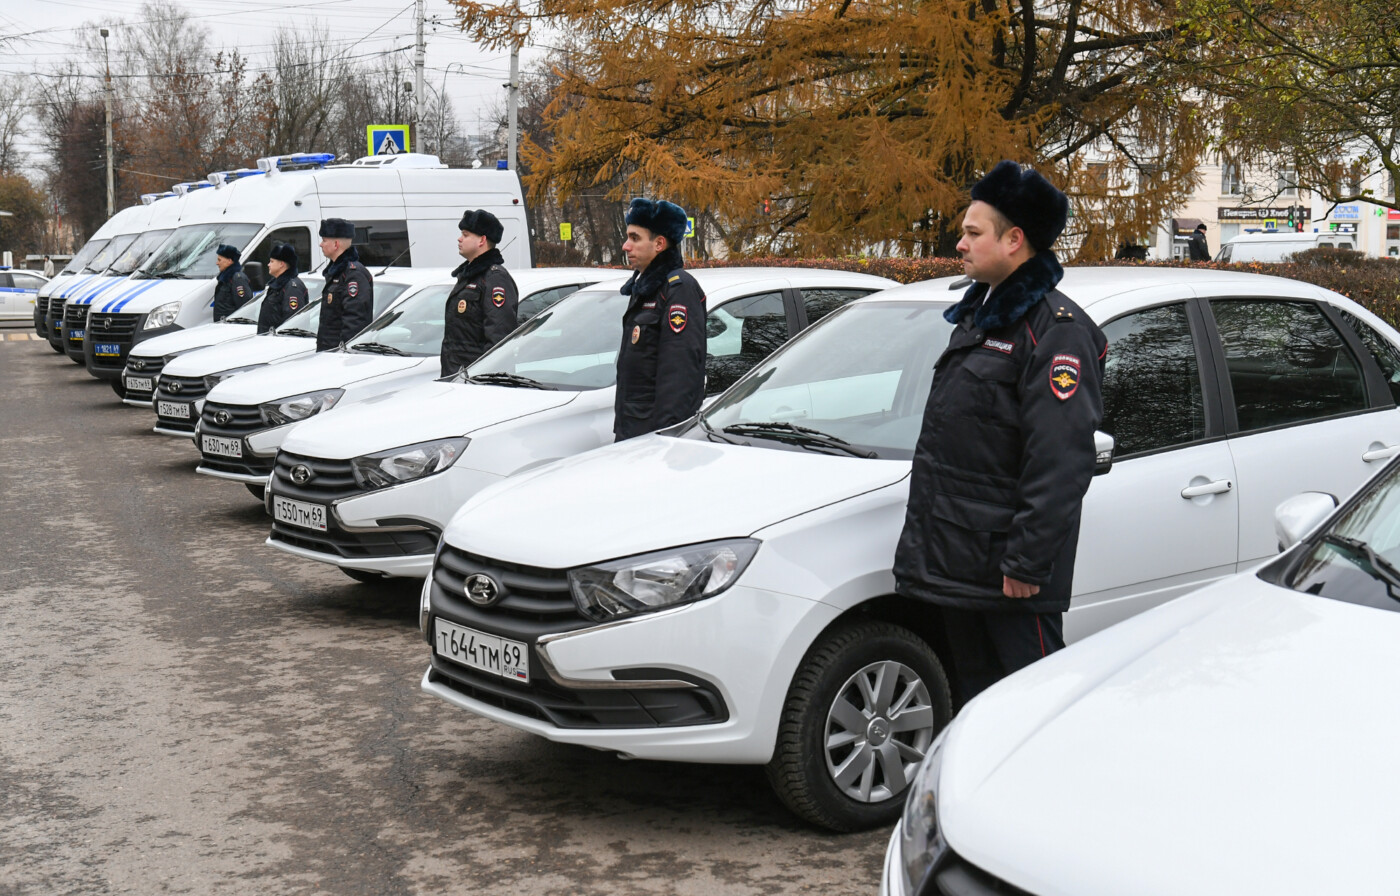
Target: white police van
[405,209]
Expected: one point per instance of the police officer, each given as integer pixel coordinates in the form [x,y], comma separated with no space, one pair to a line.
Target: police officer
[661,365]
[1007,446]
[285,294]
[481,309]
[348,296]
[1196,246]
[231,289]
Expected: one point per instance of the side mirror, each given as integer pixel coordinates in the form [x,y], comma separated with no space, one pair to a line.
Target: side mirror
[1103,453]
[1299,515]
[256,275]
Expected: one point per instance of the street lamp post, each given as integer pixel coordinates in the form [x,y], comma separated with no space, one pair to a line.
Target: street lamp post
[107,64]
[442,105]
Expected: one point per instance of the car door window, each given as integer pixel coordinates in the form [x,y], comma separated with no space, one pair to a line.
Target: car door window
[27,281]
[1386,356]
[1152,384]
[1286,362]
[739,334]
[819,302]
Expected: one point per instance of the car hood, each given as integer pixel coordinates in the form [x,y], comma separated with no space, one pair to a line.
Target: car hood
[1237,740]
[187,340]
[323,370]
[139,296]
[79,287]
[654,492]
[251,349]
[422,413]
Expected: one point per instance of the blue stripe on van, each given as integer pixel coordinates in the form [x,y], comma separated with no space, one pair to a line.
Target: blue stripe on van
[127,299]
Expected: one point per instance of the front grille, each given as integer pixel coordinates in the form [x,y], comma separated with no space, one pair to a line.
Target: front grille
[75,316]
[534,601]
[185,388]
[330,480]
[55,314]
[42,304]
[150,368]
[243,421]
[109,329]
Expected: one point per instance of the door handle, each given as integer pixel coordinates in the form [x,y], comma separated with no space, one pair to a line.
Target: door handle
[1209,488]
[1380,452]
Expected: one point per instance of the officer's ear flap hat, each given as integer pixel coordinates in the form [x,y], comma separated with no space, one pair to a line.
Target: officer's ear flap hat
[662,218]
[228,252]
[482,223]
[337,229]
[1028,201]
[285,253]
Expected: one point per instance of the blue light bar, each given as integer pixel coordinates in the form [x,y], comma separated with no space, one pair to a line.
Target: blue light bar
[296,160]
[148,198]
[190,186]
[219,178]
[500,164]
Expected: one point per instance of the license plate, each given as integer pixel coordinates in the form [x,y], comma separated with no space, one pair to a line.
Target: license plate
[222,447]
[177,409]
[75,335]
[508,659]
[106,348]
[298,513]
[146,384]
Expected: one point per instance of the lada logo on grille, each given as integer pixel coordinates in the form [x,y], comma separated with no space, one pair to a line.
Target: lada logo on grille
[173,386]
[301,474]
[222,418]
[137,364]
[481,590]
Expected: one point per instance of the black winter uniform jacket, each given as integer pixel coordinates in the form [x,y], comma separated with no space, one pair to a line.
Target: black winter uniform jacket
[1007,448]
[348,299]
[285,296]
[481,310]
[231,291]
[661,365]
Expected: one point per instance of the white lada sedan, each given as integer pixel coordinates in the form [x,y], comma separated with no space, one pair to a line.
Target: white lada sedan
[245,418]
[721,591]
[370,487]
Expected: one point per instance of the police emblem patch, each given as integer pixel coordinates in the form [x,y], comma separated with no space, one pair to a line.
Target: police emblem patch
[240,292]
[353,289]
[461,306]
[636,334]
[498,296]
[677,318]
[293,304]
[1064,376]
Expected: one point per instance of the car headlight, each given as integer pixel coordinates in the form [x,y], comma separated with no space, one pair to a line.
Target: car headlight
[214,379]
[299,407]
[162,316]
[921,841]
[658,580]
[407,463]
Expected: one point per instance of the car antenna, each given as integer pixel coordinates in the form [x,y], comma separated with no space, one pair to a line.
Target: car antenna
[396,258]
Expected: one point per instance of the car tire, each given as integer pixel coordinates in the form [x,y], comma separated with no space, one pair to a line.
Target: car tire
[257,491]
[824,766]
[362,576]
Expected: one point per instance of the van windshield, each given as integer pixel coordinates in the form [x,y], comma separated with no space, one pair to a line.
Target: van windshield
[85,254]
[571,345]
[189,252]
[138,251]
[110,252]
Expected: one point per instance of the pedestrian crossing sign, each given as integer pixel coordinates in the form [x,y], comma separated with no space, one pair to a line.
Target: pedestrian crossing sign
[387,139]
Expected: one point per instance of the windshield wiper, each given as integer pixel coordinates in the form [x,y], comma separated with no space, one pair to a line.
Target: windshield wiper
[237,320]
[509,379]
[1380,568]
[714,436]
[295,331]
[170,275]
[793,434]
[378,348]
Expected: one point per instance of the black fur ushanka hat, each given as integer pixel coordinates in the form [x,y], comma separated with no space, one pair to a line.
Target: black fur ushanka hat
[1028,201]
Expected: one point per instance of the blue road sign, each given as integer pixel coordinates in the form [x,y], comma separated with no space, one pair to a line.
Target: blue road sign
[387,139]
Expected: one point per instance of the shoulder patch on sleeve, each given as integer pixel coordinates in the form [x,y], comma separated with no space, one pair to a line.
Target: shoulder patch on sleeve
[676,316]
[1064,376]
[353,289]
[498,296]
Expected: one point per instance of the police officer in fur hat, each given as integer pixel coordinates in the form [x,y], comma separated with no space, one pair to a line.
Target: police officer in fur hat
[285,294]
[481,309]
[661,366]
[348,296]
[1007,446]
[231,288]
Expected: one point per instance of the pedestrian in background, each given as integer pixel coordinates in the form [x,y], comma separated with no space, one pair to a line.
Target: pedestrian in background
[48,267]
[1006,451]
[285,294]
[348,296]
[231,288]
[1196,245]
[482,307]
[661,365]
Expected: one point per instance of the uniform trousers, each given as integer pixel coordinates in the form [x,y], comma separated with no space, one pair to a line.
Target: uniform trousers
[986,646]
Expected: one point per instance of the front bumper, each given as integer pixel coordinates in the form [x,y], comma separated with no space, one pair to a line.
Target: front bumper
[258,443]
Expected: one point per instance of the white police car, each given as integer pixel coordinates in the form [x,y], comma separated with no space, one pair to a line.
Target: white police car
[18,291]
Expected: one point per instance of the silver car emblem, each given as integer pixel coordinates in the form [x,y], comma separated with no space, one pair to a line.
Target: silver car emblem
[106,323]
[174,386]
[301,474]
[222,418]
[481,590]
[137,364]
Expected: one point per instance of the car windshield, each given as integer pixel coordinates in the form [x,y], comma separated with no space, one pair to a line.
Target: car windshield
[855,383]
[189,252]
[247,313]
[138,251]
[109,253]
[570,345]
[85,254]
[412,327]
[1356,557]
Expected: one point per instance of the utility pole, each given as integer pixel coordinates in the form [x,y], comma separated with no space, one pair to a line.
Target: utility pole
[419,48]
[514,97]
[107,64]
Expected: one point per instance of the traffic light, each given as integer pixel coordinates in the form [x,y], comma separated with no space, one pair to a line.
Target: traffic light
[766,207]
[1290,218]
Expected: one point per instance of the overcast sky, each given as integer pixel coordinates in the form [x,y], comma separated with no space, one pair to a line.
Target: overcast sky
[36,34]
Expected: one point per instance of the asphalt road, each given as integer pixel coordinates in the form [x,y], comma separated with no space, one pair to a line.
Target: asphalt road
[185,710]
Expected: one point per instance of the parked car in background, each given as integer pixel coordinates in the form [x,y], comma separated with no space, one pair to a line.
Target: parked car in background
[19,291]
[1238,740]
[721,591]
